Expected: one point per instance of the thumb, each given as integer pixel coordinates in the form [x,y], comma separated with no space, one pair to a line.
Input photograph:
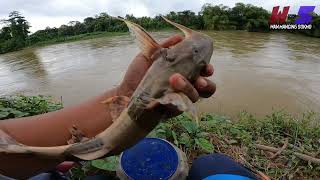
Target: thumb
[171,41]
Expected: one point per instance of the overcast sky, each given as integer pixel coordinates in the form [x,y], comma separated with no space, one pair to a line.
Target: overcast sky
[53,13]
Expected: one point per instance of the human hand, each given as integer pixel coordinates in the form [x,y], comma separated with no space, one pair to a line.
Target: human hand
[139,66]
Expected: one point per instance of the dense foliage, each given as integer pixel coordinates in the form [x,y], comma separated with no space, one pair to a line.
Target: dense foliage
[22,106]
[14,35]
[15,32]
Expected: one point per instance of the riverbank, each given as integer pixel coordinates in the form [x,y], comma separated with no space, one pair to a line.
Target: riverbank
[87,36]
[278,145]
[79,37]
[100,34]
[94,35]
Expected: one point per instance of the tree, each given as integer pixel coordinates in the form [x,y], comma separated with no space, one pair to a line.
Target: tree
[65,30]
[15,32]
[89,24]
[19,25]
[238,16]
[5,34]
[215,17]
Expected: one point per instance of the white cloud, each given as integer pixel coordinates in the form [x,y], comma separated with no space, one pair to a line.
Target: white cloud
[53,13]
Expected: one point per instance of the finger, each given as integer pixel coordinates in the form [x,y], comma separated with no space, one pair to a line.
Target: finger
[180,84]
[171,41]
[205,87]
[207,71]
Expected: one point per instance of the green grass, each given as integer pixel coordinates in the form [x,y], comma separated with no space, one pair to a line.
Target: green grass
[237,138]
[77,38]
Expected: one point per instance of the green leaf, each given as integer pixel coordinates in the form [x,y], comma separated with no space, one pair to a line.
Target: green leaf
[203,134]
[4,114]
[174,135]
[204,144]
[108,163]
[6,109]
[161,131]
[17,113]
[152,134]
[185,139]
[190,126]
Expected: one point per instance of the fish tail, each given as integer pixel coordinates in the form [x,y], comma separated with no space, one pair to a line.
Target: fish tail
[9,145]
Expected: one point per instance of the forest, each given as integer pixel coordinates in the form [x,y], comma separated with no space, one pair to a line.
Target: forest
[15,34]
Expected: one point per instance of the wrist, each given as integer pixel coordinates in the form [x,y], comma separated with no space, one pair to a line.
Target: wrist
[123,90]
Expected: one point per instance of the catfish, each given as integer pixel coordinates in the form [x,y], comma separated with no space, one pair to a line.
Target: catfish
[134,117]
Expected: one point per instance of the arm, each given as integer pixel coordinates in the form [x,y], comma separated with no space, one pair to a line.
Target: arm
[51,129]
[91,116]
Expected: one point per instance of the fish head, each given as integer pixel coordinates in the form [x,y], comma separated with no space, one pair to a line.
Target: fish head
[202,47]
[197,43]
[190,55]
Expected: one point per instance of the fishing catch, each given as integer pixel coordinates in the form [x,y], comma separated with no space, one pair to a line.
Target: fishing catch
[134,117]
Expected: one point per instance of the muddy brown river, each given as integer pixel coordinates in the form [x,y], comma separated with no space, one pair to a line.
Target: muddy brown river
[256,72]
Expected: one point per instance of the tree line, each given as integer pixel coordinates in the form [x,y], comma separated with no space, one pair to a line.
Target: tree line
[15,35]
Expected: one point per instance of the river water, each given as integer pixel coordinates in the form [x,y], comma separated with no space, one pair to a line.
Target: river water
[257,72]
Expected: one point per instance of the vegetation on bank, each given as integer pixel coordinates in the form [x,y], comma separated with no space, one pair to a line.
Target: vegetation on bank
[15,35]
[77,37]
[278,145]
[22,106]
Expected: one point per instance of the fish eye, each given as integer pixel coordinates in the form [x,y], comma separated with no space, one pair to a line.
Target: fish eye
[168,56]
[195,51]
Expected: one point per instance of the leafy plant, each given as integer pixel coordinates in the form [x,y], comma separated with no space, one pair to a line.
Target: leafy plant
[109,163]
[22,106]
[237,138]
[182,131]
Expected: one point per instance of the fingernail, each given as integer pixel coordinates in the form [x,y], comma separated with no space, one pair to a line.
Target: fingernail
[202,83]
[181,83]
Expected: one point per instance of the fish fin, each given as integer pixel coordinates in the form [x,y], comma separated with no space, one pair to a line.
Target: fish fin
[187,31]
[116,105]
[76,135]
[181,102]
[146,43]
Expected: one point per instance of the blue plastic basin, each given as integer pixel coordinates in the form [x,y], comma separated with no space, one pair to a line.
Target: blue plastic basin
[151,158]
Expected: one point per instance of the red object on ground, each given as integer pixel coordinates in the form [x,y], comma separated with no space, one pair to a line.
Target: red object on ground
[65,166]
